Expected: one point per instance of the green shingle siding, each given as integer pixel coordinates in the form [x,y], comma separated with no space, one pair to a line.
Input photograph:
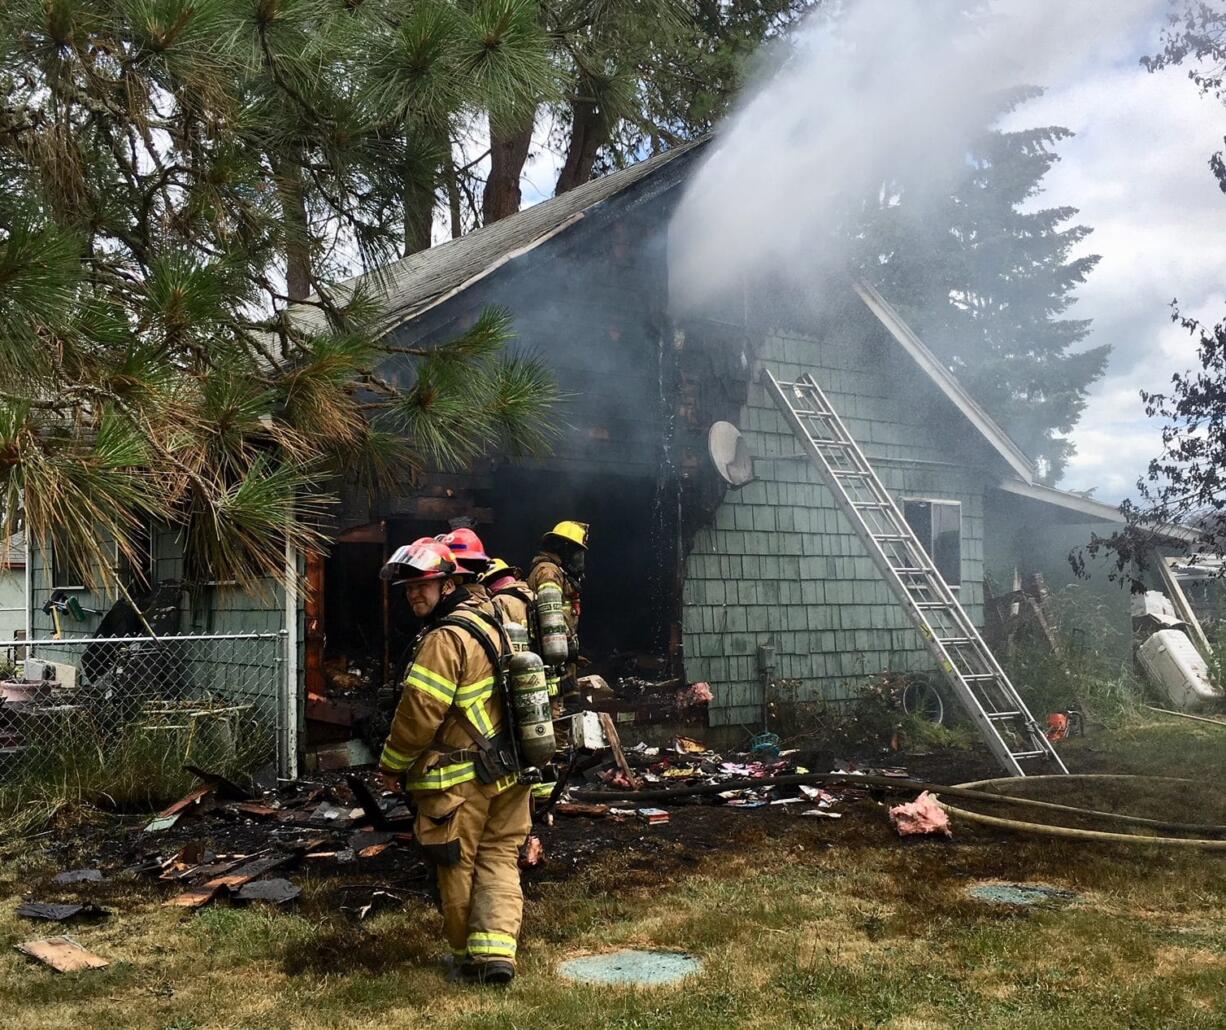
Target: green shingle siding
[781,564]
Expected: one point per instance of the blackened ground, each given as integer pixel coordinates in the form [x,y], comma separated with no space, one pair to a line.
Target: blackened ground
[644,855]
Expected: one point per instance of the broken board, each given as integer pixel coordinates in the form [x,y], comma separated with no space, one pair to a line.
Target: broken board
[202,895]
[62,954]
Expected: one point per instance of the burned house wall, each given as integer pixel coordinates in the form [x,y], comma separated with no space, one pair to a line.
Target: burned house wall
[781,565]
[591,304]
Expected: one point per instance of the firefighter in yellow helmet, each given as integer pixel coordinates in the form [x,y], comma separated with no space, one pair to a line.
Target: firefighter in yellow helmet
[511,597]
[560,561]
[450,748]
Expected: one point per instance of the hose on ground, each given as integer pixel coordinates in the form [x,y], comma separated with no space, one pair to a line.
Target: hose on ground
[1073,833]
[965,791]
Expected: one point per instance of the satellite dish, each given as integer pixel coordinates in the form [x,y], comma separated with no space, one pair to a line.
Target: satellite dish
[730,453]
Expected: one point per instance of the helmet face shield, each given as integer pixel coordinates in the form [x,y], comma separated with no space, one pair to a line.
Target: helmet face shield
[423,559]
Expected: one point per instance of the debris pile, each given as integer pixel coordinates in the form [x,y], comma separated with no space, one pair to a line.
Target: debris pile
[222,840]
[685,762]
[642,693]
[346,721]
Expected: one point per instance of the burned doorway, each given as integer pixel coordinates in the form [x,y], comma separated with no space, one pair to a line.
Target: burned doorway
[630,586]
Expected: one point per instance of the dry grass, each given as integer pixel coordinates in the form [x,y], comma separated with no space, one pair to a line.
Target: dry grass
[831,924]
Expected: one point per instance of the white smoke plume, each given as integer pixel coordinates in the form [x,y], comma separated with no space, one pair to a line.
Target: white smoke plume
[864,92]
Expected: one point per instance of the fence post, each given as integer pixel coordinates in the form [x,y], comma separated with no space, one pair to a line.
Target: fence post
[287,708]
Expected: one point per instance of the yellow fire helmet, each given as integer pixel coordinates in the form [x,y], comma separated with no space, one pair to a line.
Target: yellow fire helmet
[575,532]
[499,569]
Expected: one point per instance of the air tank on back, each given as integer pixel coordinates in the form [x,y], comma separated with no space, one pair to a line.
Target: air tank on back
[551,624]
[530,698]
[517,635]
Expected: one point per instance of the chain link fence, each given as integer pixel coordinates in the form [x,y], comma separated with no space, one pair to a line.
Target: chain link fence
[128,713]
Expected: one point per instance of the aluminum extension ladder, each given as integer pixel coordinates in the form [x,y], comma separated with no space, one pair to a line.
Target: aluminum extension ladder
[976,678]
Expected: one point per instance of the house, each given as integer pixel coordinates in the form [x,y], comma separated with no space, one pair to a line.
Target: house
[13,590]
[684,566]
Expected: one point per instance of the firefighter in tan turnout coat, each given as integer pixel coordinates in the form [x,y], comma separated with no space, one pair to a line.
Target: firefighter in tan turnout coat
[559,563]
[448,747]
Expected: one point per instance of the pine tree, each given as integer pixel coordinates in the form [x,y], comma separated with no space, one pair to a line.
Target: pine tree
[173,175]
[632,78]
[987,279]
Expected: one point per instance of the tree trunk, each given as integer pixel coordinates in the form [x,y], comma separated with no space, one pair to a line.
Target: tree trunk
[453,200]
[297,235]
[418,214]
[588,133]
[508,152]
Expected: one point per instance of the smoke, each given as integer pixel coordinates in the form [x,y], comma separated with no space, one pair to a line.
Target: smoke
[868,95]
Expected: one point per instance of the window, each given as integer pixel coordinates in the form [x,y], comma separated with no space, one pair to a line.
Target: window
[138,575]
[66,574]
[938,524]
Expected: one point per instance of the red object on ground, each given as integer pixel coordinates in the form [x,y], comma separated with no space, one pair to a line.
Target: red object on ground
[921,816]
[617,778]
[1057,726]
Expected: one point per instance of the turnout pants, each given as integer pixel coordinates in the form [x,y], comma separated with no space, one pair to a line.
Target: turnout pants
[473,839]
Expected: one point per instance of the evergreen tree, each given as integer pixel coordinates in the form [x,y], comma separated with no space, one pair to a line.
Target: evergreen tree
[631,79]
[173,174]
[986,279]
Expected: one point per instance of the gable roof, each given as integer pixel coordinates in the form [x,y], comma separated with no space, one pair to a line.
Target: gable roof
[423,280]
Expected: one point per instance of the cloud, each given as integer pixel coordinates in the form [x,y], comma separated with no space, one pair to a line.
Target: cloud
[1137,170]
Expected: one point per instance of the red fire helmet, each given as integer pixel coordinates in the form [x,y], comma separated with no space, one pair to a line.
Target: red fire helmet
[422,559]
[468,549]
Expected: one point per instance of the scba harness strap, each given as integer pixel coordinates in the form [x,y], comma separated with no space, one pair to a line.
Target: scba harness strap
[517,593]
[495,757]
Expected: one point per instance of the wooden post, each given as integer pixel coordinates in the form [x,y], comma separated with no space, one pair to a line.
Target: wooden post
[316,621]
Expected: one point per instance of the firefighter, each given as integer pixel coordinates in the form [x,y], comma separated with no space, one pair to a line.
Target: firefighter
[560,561]
[515,602]
[472,813]
[510,595]
[469,551]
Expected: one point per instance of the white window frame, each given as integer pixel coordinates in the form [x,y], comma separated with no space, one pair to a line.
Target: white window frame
[927,544]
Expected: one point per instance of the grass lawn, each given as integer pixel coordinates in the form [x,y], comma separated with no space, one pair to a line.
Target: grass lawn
[798,923]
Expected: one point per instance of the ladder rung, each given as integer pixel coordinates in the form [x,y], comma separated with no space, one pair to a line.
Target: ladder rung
[1029,754]
[852,475]
[956,641]
[1002,715]
[905,570]
[980,676]
[931,606]
[870,504]
[891,536]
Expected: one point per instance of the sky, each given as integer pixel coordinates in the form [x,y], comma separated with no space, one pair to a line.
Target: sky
[1137,170]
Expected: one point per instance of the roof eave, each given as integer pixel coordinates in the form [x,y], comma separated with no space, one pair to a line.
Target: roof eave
[1095,511]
